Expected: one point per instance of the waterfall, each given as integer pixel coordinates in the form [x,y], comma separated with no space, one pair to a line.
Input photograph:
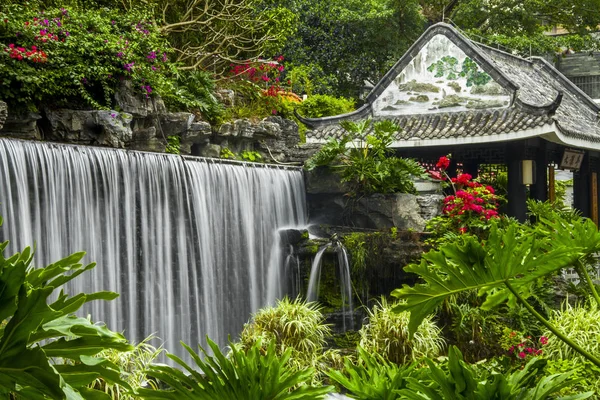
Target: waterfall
[189,243]
[314,280]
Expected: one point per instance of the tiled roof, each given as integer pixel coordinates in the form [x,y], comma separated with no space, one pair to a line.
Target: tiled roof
[542,97]
[451,125]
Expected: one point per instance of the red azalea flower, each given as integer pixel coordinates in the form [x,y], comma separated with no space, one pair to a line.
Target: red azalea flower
[437,175]
[443,163]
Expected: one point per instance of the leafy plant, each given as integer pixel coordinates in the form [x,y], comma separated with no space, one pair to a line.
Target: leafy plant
[173,145]
[227,154]
[134,366]
[372,377]
[469,69]
[44,349]
[458,380]
[294,325]
[502,268]
[368,166]
[252,156]
[322,105]
[254,373]
[387,334]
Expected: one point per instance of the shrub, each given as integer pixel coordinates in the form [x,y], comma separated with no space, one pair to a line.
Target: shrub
[254,373]
[369,166]
[322,105]
[387,334]
[45,55]
[294,325]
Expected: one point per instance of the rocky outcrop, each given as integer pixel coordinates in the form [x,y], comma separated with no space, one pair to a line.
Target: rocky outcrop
[144,124]
[3,113]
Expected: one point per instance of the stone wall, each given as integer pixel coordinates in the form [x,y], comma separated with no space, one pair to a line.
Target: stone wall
[144,124]
[328,204]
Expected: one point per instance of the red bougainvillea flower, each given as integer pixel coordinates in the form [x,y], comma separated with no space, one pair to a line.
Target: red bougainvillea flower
[443,163]
[463,229]
[437,175]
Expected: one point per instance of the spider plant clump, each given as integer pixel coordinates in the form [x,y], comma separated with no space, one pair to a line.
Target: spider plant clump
[387,334]
[291,324]
[580,324]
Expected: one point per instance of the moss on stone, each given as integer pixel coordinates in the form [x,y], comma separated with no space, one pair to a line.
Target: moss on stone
[419,87]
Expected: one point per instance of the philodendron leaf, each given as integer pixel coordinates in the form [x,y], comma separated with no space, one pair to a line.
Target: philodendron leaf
[507,257]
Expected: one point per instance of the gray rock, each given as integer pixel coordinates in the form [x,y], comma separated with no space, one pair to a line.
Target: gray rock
[21,126]
[96,127]
[226,129]
[418,87]
[267,129]
[175,124]
[431,205]
[211,150]
[137,104]
[243,128]
[3,113]
[226,97]
[451,101]
[198,131]
[422,98]
[400,210]
[322,180]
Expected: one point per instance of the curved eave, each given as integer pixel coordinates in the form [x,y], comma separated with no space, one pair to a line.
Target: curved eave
[363,112]
[551,132]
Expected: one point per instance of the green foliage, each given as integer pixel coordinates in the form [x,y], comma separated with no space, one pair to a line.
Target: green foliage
[134,365]
[258,372]
[581,324]
[44,349]
[458,380]
[322,105]
[587,374]
[293,325]
[387,334]
[227,154]
[173,145]
[372,377]
[368,167]
[345,42]
[252,156]
[328,153]
[123,45]
[192,91]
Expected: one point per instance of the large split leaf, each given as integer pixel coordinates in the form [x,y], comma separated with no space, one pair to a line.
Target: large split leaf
[516,255]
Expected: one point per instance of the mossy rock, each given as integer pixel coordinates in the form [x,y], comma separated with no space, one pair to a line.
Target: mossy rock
[389,108]
[490,89]
[478,104]
[422,98]
[451,101]
[455,86]
[419,87]
[400,102]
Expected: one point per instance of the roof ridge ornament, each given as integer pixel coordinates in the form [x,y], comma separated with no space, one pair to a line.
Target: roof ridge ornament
[544,109]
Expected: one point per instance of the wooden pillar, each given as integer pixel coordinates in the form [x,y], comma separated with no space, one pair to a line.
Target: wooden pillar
[517,194]
[594,197]
[551,184]
[581,187]
[539,190]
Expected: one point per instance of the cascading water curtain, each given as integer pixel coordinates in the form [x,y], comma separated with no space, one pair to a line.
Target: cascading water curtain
[191,245]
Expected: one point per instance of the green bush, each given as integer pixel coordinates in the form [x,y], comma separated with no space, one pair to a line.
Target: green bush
[387,334]
[250,374]
[322,105]
[45,350]
[74,57]
[369,165]
[294,325]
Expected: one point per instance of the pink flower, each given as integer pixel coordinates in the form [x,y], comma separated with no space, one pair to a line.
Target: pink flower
[522,355]
[543,340]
